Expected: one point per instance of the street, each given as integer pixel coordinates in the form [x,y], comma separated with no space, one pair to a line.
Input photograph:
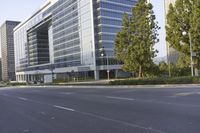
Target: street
[98,109]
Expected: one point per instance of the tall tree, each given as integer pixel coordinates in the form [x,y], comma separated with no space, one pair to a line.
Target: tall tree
[178,21]
[184,16]
[122,39]
[134,43]
[195,30]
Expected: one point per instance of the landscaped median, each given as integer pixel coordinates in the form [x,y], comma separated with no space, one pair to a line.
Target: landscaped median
[157,81]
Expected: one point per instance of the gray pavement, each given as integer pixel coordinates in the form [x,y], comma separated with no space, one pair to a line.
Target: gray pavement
[99,109]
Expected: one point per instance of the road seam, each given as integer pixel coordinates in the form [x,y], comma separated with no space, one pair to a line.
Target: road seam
[21,98]
[120,122]
[63,108]
[120,98]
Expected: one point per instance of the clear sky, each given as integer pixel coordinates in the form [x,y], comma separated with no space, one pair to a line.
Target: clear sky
[21,9]
[18,9]
[160,15]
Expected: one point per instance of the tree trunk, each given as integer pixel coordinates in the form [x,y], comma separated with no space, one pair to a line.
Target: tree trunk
[140,71]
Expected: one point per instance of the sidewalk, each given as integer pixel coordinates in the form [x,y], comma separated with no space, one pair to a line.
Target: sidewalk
[105,83]
[94,82]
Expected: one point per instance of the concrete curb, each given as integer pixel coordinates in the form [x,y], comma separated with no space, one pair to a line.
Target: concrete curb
[108,86]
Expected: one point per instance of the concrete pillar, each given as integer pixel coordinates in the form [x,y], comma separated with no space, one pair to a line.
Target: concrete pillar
[27,78]
[116,73]
[96,75]
[32,78]
[196,72]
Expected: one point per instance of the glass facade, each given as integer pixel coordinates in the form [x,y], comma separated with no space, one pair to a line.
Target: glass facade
[7,50]
[65,35]
[108,22]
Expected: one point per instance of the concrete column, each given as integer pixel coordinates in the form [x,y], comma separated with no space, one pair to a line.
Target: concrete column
[196,72]
[32,79]
[96,75]
[116,73]
[27,78]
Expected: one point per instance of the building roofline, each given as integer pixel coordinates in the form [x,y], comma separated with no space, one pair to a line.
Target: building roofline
[12,21]
[26,20]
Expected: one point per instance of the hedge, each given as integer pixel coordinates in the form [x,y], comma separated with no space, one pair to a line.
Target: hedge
[157,81]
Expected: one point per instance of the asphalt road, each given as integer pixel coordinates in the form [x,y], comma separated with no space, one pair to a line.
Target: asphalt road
[99,110]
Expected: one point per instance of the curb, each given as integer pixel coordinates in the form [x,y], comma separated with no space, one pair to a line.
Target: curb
[109,86]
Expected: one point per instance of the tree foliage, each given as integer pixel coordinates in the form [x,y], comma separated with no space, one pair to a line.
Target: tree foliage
[122,39]
[183,61]
[177,70]
[195,30]
[184,16]
[134,43]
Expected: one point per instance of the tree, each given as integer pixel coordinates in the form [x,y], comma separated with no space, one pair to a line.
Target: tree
[184,16]
[195,30]
[122,39]
[183,61]
[134,43]
[178,21]
[163,68]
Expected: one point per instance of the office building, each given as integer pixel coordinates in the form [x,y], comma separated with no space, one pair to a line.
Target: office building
[7,50]
[63,39]
[0,70]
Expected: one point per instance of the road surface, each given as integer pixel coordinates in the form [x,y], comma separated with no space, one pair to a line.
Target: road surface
[99,110]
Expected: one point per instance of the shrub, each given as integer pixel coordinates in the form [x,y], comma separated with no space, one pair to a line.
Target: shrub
[157,81]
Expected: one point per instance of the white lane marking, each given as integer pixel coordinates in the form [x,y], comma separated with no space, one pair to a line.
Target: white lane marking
[26,131]
[52,118]
[64,108]
[66,93]
[36,90]
[124,91]
[120,98]
[43,113]
[21,98]
[152,101]
[186,94]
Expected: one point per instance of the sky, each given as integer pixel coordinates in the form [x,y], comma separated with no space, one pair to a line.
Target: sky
[19,10]
[160,16]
